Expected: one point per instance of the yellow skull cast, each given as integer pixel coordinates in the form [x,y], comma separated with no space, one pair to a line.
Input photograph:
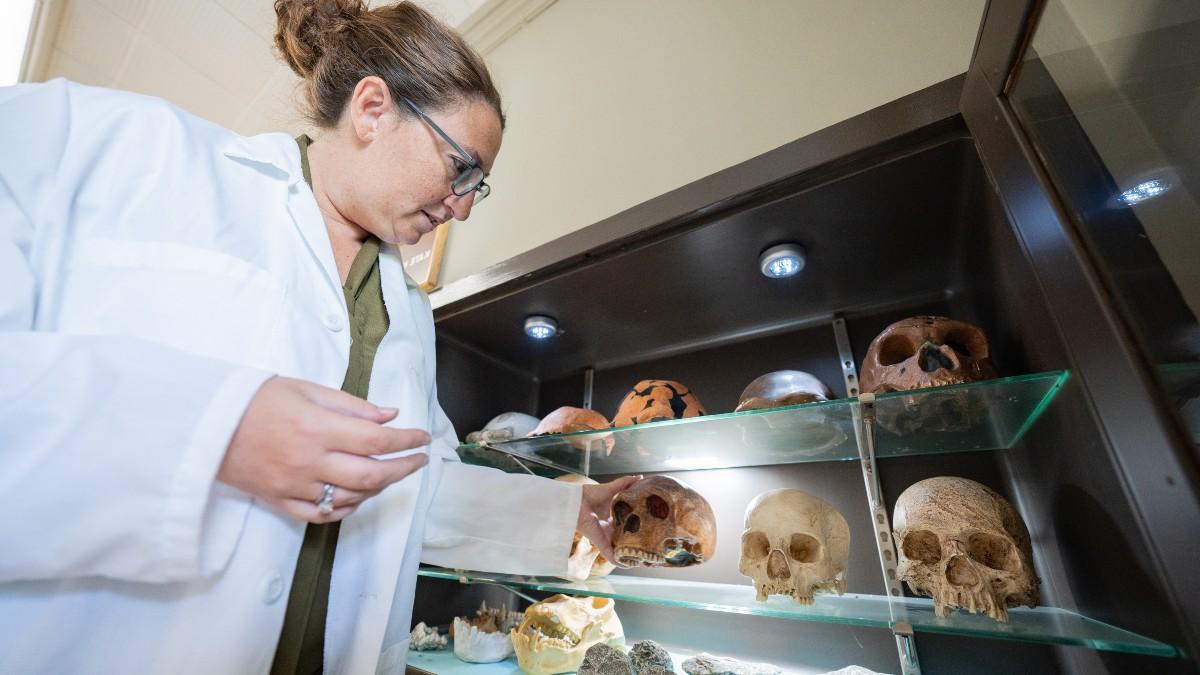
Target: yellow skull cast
[558,630]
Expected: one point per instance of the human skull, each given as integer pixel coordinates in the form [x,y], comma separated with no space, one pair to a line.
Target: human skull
[653,400]
[963,544]
[661,522]
[558,631]
[925,351]
[484,637]
[504,427]
[794,544]
[585,559]
[782,388]
[567,420]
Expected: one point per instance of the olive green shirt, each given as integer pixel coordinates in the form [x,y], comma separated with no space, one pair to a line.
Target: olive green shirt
[301,646]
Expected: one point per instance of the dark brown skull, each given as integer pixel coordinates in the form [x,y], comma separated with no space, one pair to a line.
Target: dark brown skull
[782,388]
[925,351]
[661,522]
[653,400]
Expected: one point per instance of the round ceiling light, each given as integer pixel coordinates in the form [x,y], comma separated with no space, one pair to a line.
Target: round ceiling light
[540,327]
[782,260]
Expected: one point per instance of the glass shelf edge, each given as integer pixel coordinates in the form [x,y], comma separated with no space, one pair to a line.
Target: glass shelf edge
[1117,640]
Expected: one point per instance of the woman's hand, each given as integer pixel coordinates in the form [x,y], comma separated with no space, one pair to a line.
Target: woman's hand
[595,513]
[295,436]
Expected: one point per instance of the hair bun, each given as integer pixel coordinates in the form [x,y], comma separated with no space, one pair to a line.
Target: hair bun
[308,29]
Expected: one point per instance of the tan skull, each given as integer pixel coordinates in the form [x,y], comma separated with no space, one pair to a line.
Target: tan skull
[653,400]
[567,420]
[794,544]
[782,388]
[558,630]
[585,559]
[963,544]
[925,351]
[661,522]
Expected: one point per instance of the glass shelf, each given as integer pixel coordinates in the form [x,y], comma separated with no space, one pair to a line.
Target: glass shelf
[1183,384]
[1047,625]
[988,415]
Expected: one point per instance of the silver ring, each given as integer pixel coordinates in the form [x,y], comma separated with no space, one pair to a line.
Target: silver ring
[325,503]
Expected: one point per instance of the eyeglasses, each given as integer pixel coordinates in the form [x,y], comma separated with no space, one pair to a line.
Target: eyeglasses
[470,177]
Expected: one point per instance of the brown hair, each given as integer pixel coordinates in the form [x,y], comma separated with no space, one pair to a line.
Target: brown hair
[333,44]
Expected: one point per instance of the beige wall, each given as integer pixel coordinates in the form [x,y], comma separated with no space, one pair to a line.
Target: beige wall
[613,102]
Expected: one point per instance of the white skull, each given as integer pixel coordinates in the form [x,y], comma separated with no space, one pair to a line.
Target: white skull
[585,559]
[964,545]
[558,630]
[484,638]
[794,544]
[504,427]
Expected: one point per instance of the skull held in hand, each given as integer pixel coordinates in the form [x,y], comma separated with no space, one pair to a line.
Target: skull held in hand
[794,544]
[963,544]
[661,522]
[782,388]
[653,400]
[558,631]
[567,420]
[585,559]
[925,351]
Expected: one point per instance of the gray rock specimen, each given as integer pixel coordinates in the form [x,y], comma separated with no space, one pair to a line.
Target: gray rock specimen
[707,664]
[648,655]
[601,659]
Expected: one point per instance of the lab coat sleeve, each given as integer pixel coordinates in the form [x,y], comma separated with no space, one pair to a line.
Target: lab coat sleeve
[485,519]
[109,446]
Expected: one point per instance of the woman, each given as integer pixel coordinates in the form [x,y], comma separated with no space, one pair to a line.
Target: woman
[178,307]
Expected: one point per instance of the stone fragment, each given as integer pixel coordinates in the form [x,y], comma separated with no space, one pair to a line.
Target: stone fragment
[601,659]
[649,654]
[707,664]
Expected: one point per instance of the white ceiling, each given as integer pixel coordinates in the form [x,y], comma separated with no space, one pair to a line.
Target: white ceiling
[214,58]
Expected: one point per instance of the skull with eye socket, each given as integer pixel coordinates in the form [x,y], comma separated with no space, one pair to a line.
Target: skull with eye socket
[661,522]
[921,352]
[965,546]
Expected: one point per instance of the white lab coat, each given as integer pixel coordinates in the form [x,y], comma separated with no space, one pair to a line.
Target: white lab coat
[155,269]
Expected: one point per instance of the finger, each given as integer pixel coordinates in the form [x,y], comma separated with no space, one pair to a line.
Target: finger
[622,483]
[367,474]
[605,545]
[361,437]
[342,403]
[308,512]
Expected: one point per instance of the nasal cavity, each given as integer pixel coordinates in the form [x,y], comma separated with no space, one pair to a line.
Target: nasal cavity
[931,358]
[632,525]
[777,567]
[960,572]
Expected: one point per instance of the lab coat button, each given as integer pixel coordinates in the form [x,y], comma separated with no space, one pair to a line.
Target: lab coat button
[272,588]
[333,322]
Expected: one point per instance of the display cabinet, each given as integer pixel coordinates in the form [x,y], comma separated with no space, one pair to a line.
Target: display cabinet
[975,199]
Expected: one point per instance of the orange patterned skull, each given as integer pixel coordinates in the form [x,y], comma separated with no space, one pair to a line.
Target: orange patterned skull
[653,400]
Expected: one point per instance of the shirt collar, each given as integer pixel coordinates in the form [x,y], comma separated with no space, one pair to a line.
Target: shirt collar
[275,153]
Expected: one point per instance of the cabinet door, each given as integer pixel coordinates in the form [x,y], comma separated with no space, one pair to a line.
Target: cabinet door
[1087,116]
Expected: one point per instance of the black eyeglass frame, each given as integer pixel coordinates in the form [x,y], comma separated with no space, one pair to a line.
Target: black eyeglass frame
[464,178]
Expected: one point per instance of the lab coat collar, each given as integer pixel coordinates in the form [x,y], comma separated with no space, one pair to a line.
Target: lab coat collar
[276,154]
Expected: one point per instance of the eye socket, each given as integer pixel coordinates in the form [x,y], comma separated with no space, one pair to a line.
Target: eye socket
[966,343]
[803,548]
[755,545]
[658,507]
[922,546]
[620,510]
[895,348]
[994,551]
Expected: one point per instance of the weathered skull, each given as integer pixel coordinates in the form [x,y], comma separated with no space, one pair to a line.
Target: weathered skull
[781,388]
[965,546]
[484,637]
[661,522]
[925,351]
[653,400]
[585,559]
[558,630]
[567,420]
[504,427]
[794,544]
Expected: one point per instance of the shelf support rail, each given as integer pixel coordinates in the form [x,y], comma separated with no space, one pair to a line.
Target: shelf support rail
[863,411]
